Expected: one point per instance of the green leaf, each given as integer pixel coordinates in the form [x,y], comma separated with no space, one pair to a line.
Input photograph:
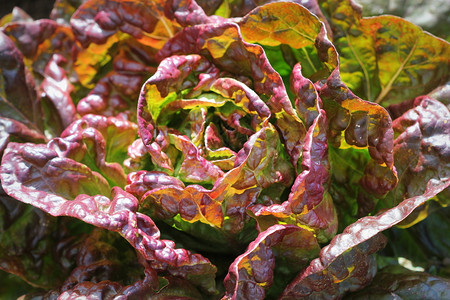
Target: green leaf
[290,33]
[387,59]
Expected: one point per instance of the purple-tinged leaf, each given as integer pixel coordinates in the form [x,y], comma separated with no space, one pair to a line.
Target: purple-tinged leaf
[348,272]
[39,40]
[47,48]
[309,203]
[398,282]
[106,267]
[188,13]
[64,9]
[344,265]
[16,15]
[364,124]
[252,273]
[95,21]
[35,171]
[117,133]
[18,98]
[421,151]
[57,88]
[41,255]
[15,131]
[117,214]
[116,92]
[141,182]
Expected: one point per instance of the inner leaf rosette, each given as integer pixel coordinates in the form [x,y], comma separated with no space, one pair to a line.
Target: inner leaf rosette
[217,117]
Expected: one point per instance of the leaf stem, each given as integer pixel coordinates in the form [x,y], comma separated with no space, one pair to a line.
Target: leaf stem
[309,60]
[169,31]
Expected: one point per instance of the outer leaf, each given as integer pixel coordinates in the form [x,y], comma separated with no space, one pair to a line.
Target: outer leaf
[116,92]
[416,59]
[15,131]
[47,48]
[18,99]
[233,8]
[107,268]
[118,214]
[40,40]
[421,150]
[131,31]
[96,21]
[17,15]
[83,160]
[342,15]
[364,124]
[401,283]
[324,276]
[386,59]
[43,172]
[252,273]
[41,255]
[63,10]
[188,13]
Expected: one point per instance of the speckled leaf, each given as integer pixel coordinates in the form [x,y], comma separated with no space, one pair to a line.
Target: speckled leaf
[386,59]
[289,34]
[260,164]
[252,273]
[344,265]
[223,46]
[309,203]
[18,97]
[401,283]
[95,21]
[421,151]
[356,122]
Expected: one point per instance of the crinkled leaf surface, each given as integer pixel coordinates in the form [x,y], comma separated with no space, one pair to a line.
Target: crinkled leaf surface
[421,150]
[290,33]
[119,215]
[224,206]
[18,98]
[252,273]
[95,21]
[47,48]
[401,283]
[83,160]
[41,255]
[309,203]
[386,59]
[352,248]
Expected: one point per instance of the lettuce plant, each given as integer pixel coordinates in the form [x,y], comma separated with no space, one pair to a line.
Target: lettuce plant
[222,150]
